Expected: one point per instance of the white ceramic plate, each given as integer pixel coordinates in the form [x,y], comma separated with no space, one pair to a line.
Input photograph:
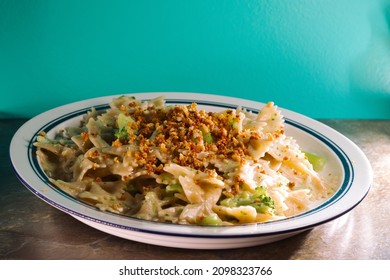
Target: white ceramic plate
[344,158]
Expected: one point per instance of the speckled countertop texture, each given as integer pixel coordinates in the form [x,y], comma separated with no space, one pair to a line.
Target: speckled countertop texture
[32,229]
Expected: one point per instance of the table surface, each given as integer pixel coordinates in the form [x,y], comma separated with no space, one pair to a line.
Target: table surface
[32,229]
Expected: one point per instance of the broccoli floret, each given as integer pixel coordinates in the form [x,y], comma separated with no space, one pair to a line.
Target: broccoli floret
[318,162]
[258,199]
[122,133]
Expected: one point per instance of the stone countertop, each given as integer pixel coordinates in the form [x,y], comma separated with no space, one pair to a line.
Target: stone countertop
[32,229]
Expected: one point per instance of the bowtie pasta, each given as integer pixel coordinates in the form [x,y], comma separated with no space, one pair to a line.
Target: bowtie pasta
[180,164]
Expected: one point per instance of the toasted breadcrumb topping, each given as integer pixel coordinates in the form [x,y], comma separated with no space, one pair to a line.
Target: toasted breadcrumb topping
[190,137]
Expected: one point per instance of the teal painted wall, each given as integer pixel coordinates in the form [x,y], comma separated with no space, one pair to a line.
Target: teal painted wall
[324,58]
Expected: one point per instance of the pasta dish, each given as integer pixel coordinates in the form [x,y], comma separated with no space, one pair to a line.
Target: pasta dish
[181,164]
